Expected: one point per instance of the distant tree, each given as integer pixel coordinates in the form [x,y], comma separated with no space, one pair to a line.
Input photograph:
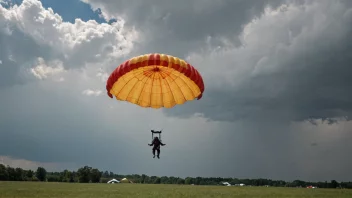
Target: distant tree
[297,183]
[348,184]
[106,174]
[41,174]
[95,175]
[11,172]
[111,174]
[29,174]
[143,178]
[153,178]
[84,174]
[157,180]
[180,181]
[19,174]
[88,174]
[72,179]
[66,176]
[4,175]
[334,184]
[164,180]
[188,180]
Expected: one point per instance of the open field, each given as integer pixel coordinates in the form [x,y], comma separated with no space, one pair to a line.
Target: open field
[61,190]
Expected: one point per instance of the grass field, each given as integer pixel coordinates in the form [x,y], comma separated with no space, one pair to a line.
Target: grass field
[62,190]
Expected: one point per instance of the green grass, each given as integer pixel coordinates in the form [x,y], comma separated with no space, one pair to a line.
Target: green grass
[62,190]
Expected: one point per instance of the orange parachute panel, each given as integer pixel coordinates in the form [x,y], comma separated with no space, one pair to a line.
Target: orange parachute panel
[155,80]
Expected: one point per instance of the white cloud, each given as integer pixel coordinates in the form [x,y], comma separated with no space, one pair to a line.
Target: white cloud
[90,92]
[43,70]
[0,62]
[11,58]
[5,2]
[48,28]
[102,75]
[74,44]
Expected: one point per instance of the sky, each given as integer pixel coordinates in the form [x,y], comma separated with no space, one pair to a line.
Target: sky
[277,100]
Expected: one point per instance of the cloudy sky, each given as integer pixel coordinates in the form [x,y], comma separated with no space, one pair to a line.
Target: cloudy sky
[277,101]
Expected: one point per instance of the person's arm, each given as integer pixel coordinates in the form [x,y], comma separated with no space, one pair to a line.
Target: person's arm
[151,143]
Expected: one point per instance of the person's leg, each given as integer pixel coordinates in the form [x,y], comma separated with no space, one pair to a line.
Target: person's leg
[158,152]
[153,152]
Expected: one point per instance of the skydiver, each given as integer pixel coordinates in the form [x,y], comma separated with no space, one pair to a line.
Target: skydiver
[156,142]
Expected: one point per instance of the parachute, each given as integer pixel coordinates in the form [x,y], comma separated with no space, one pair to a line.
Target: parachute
[155,81]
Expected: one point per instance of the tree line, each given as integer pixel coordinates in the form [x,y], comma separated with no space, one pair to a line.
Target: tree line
[88,174]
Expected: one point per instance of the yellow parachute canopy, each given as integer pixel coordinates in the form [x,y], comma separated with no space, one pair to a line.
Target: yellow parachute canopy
[125,180]
[155,80]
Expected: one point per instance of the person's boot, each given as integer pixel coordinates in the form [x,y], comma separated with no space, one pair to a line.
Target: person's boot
[153,156]
[158,156]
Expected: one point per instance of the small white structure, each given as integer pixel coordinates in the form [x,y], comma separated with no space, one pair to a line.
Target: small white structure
[226,183]
[113,181]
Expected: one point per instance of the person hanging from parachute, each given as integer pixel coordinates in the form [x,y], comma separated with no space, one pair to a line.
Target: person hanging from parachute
[156,143]
[155,80]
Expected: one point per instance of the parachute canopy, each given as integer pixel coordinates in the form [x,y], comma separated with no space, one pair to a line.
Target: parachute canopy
[155,80]
[125,180]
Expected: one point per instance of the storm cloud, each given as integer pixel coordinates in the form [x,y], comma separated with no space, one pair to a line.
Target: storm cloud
[294,65]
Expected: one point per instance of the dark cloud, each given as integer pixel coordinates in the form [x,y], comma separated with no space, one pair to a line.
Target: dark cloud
[314,144]
[298,62]
[54,122]
[179,27]
[309,78]
[18,53]
[56,127]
